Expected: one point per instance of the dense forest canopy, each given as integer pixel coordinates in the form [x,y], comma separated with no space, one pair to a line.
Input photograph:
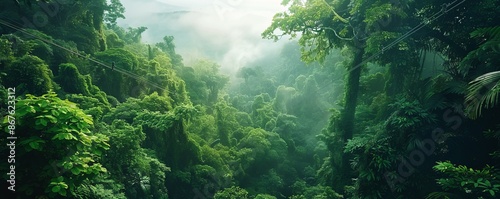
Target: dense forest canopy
[356,99]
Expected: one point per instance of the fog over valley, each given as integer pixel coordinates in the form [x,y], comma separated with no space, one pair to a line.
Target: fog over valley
[250,99]
[228,32]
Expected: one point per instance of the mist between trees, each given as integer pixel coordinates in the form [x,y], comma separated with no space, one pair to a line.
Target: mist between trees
[357,99]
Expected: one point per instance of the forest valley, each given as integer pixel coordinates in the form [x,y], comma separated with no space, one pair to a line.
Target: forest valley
[355,106]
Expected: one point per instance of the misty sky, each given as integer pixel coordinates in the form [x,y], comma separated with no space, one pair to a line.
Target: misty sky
[226,31]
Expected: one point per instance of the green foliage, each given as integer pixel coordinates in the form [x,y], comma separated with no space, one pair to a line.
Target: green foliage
[157,179]
[87,38]
[481,56]
[226,121]
[246,73]
[204,125]
[270,182]
[267,147]
[233,192]
[122,58]
[408,123]
[371,85]
[303,17]
[22,44]
[125,141]
[264,196]
[207,81]
[6,54]
[439,195]
[112,82]
[127,111]
[165,135]
[113,41]
[67,148]
[380,12]
[95,105]
[71,80]
[198,93]
[155,102]
[138,170]
[41,49]
[168,46]
[98,191]
[201,175]
[29,74]
[259,139]
[256,155]
[482,93]
[13,45]
[409,114]
[131,108]
[297,197]
[473,182]
[135,34]
[114,10]
[213,158]
[302,190]
[263,112]
[483,90]
[283,98]
[256,81]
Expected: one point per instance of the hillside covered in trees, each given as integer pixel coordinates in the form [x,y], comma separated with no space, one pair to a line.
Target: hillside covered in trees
[368,99]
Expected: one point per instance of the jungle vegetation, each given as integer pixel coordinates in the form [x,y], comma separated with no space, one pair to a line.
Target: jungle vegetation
[354,107]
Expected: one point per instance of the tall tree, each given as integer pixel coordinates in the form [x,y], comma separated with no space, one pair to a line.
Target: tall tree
[324,25]
[113,11]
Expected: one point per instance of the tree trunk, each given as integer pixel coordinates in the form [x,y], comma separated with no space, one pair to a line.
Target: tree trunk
[347,115]
[395,83]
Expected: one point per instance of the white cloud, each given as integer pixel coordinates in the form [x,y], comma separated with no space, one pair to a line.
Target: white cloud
[227,31]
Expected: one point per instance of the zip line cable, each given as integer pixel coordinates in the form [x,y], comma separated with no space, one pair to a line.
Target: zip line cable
[113,68]
[444,9]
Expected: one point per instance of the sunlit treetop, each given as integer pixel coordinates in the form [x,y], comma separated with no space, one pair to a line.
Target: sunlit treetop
[323,25]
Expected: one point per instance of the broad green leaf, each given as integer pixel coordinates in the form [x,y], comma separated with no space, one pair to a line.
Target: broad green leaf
[79,146]
[75,171]
[56,189]
[62,192]
[64,136]
[41,121]
[68,165]
[34,145]
[487,182]
[51,118]
[97,152]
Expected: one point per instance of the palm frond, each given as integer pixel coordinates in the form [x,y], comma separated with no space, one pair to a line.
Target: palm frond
[482,93]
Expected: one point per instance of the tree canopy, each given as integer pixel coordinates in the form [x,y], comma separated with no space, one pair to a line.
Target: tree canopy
[368,99]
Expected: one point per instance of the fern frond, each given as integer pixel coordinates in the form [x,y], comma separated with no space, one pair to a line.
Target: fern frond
[482,93]
[490,32]
[456,87]
[438,195]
